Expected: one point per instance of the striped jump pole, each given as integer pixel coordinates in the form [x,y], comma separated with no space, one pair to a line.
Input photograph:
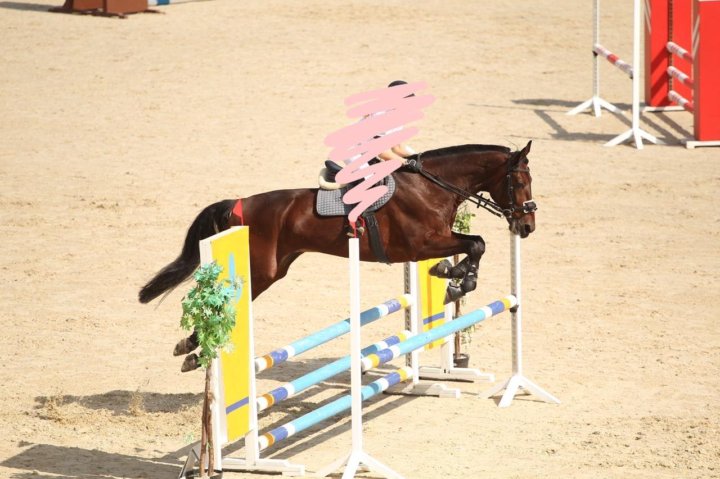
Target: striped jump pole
[336,407]
[676,49]
[331,332]
[680,76]
[682,101]
[302,383]
[420,340]
[613,59]
[675,74]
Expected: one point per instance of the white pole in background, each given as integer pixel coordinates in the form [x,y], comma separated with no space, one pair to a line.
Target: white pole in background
[635,133]
[595,101]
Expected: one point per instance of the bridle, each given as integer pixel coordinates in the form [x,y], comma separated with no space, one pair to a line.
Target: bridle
[528,206]
[415,165]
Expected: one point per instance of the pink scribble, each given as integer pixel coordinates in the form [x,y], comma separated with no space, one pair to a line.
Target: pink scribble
[384,114]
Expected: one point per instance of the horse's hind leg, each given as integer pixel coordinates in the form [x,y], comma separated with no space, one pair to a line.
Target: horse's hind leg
[186,345]
[264,274]
[191,363]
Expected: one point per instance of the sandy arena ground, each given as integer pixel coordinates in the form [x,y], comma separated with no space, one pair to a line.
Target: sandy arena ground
[115,133]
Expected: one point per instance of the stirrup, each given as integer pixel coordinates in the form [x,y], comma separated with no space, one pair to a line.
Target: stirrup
[356,230]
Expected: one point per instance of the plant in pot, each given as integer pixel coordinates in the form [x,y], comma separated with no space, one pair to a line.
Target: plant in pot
[464,337]
[208,309]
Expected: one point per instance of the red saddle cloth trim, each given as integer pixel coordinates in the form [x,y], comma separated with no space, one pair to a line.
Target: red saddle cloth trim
[238,211]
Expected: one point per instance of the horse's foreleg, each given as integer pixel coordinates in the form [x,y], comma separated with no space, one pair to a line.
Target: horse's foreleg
[466,270]
[477,249]
[445,269]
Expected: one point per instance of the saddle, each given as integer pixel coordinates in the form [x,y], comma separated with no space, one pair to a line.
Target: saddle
[329,203]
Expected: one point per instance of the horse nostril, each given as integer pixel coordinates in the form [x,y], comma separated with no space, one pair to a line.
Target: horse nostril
[529,229]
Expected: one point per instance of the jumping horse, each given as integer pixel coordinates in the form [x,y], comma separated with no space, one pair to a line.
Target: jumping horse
[416,224]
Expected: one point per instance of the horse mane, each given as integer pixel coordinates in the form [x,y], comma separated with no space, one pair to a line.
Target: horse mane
[464,149]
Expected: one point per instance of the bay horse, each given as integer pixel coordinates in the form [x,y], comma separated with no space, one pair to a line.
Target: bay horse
[416,224]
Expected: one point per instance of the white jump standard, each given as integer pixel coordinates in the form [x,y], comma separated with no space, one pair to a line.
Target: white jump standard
[517,381]
[357,458]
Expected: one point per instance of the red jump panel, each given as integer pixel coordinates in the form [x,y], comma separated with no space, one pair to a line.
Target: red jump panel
[707,70]
[666,20]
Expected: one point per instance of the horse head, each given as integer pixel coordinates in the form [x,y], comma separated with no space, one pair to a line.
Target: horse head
[516,199]
[466,170]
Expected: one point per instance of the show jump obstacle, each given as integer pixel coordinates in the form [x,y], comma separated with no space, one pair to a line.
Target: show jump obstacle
[235,415]
[118,8]
[682,63]
[635,133]
[681,67]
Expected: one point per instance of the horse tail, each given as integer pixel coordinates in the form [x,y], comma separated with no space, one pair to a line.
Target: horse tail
[211,220]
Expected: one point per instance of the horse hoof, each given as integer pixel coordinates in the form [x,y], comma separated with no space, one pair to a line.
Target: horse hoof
[442,269]
[468,285]
[185,346]
[453,293]
[191,363]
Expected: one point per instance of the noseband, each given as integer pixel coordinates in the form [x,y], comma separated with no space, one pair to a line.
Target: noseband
[480,201]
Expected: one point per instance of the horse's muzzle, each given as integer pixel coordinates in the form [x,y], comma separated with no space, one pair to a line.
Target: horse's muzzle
[527,229]
[523,226]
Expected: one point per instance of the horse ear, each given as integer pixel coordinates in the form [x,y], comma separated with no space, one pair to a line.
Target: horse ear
[520,155]
[526,150]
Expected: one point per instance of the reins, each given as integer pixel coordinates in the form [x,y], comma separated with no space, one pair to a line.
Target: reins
[415,165]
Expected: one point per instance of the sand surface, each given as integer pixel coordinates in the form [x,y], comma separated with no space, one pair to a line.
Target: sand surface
[115,133]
